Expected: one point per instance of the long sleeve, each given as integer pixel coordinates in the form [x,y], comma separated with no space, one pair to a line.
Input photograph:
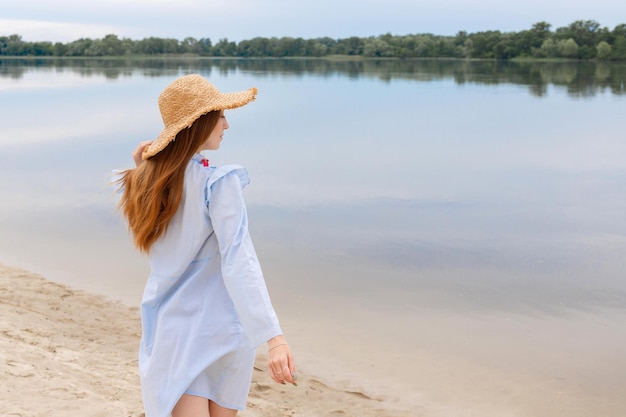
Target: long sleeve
[241,270]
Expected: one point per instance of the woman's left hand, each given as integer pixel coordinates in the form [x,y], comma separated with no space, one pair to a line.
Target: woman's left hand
[280,361]
[139,151]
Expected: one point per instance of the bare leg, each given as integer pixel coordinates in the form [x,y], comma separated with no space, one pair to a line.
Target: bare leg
[219,411]
[191,406]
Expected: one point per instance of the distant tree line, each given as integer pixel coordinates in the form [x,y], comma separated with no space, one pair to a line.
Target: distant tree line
[582,39]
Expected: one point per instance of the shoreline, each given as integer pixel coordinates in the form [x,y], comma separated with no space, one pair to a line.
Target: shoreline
[78,351]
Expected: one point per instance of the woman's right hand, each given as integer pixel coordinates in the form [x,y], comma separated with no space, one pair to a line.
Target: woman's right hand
[139,151]
[280,361]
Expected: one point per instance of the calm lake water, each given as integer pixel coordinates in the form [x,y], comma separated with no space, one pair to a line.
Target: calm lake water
[405,189]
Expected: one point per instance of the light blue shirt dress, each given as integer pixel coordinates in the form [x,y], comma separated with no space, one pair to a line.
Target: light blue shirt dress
[205,307]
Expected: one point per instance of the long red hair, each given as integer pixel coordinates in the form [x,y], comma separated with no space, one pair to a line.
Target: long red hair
[152,191]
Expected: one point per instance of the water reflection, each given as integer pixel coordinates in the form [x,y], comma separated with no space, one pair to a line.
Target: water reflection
[584,79]
[417,175]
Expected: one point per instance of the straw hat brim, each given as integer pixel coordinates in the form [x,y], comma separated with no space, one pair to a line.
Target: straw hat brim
[202,105]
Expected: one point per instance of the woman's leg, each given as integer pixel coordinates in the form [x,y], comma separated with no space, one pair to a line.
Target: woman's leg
[219,411]
[191,406]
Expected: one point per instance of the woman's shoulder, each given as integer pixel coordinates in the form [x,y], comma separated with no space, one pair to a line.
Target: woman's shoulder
[210,175]
[235,171]
[227,177]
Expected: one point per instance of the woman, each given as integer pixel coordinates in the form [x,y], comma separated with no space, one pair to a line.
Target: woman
[205,307]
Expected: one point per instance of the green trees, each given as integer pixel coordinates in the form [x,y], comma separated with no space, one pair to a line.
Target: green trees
[531,40]
[224,48]
[549,49]
[587,34]
[78,47]
[618,50]
[254,47]
[204,46]
[158,46]
[582,39]
[110,45]
[568,48]
[604,50]
[351,46]
[13,45]
[377,48]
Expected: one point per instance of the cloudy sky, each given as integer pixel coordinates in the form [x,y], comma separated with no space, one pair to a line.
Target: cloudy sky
[67,20]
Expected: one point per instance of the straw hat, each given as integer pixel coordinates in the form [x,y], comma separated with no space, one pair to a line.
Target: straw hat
[185,100]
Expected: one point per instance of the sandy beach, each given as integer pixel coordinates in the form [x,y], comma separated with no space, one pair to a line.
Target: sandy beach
[65,352]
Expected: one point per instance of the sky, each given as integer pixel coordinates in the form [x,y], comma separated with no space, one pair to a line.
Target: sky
[237,20]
